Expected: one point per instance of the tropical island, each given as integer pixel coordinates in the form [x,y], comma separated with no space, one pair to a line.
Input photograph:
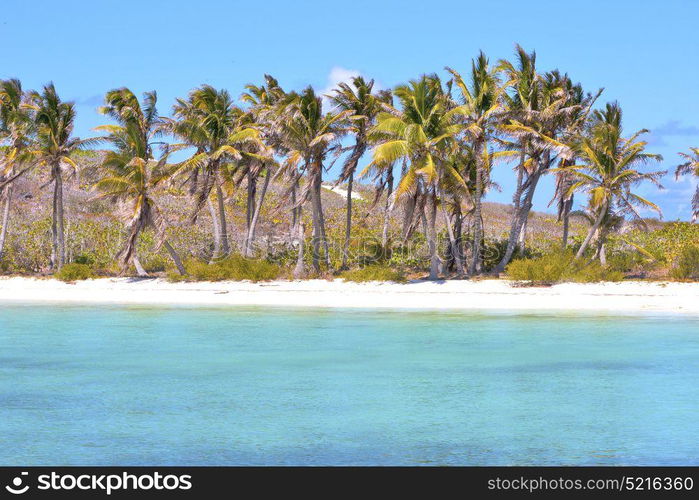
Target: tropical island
[383,234]
[228,191]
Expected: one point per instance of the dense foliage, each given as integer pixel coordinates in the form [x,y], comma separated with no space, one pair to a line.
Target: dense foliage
[244,197]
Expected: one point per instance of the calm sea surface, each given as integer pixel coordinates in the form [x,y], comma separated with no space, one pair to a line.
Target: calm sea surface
[178,386]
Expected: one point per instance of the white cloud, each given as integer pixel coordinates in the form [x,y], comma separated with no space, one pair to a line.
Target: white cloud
[337,75]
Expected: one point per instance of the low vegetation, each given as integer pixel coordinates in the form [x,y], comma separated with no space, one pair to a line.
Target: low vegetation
[560,267]
[235,267]
[374,272]
[74,272]
[687,264]
[246,197]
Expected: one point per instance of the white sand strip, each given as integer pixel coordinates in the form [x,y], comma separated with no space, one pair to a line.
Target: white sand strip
[626,297]
[342,192]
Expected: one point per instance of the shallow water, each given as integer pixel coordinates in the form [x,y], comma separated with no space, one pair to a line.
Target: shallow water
[178,386]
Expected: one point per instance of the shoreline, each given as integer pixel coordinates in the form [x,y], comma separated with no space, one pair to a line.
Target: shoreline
[464,295]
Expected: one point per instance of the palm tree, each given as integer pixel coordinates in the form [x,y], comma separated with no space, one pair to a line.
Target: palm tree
[54,121]
[539,109]
[691,166]
[580,107]
[309,135]
[423,133]
[209,122]
[16,129]
[362,105]
[129,171]
[263,100]
[608,172]
[610,223]
[481,112]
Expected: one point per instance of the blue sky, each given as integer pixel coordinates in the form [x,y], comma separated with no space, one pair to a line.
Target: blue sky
[645,53]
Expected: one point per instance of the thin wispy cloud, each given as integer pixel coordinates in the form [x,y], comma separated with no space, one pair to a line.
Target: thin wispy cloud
[94,100]
[672,128]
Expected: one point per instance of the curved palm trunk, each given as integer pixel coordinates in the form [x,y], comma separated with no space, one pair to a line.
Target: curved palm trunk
[295,211]
[57,229]
[5,219]
[591,233]
[175,257]
[357,153]
[319,237]
[300,269]
[323,236]
[139,268]
[223,227]
[453,243]
[315,237]
[386,210]
[477,258]
[521,216]
[217,231]
[522,241]
[567,207]
[348,222]
[250,239]
[431,230]
[250,202]
[516,209]
[409,217]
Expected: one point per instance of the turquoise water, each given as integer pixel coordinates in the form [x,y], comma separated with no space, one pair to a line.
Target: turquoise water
[137,385]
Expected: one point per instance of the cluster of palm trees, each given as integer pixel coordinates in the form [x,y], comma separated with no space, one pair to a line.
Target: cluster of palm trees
[444,137]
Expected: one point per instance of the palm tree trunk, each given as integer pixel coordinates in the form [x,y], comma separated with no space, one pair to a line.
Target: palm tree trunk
[603,253]
[348,222]
[300,269]
[316,236]
[250,239]
[223,227]
[520,218]
[453,244]
[567,206]
[217,231]
[175,258]
[522,241]
[387,206]
[251,194]
[458,232]
[5,219]
[516,206]
[295,211]
[57,229]
[432,239]
[592,231]
[139,268]
[477,258]
[408,217]
[321,217]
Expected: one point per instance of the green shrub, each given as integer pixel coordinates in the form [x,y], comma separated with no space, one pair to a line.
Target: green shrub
[626,261]
[545,269]
[236,268]
[373,273]
[668,242]
[83,259]
[74,272]
[592,272]
[556,267]
[687,264]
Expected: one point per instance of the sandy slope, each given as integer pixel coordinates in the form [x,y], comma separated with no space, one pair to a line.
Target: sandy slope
[491,294]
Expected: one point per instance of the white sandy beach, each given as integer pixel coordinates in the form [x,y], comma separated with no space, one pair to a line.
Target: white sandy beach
[626,297]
